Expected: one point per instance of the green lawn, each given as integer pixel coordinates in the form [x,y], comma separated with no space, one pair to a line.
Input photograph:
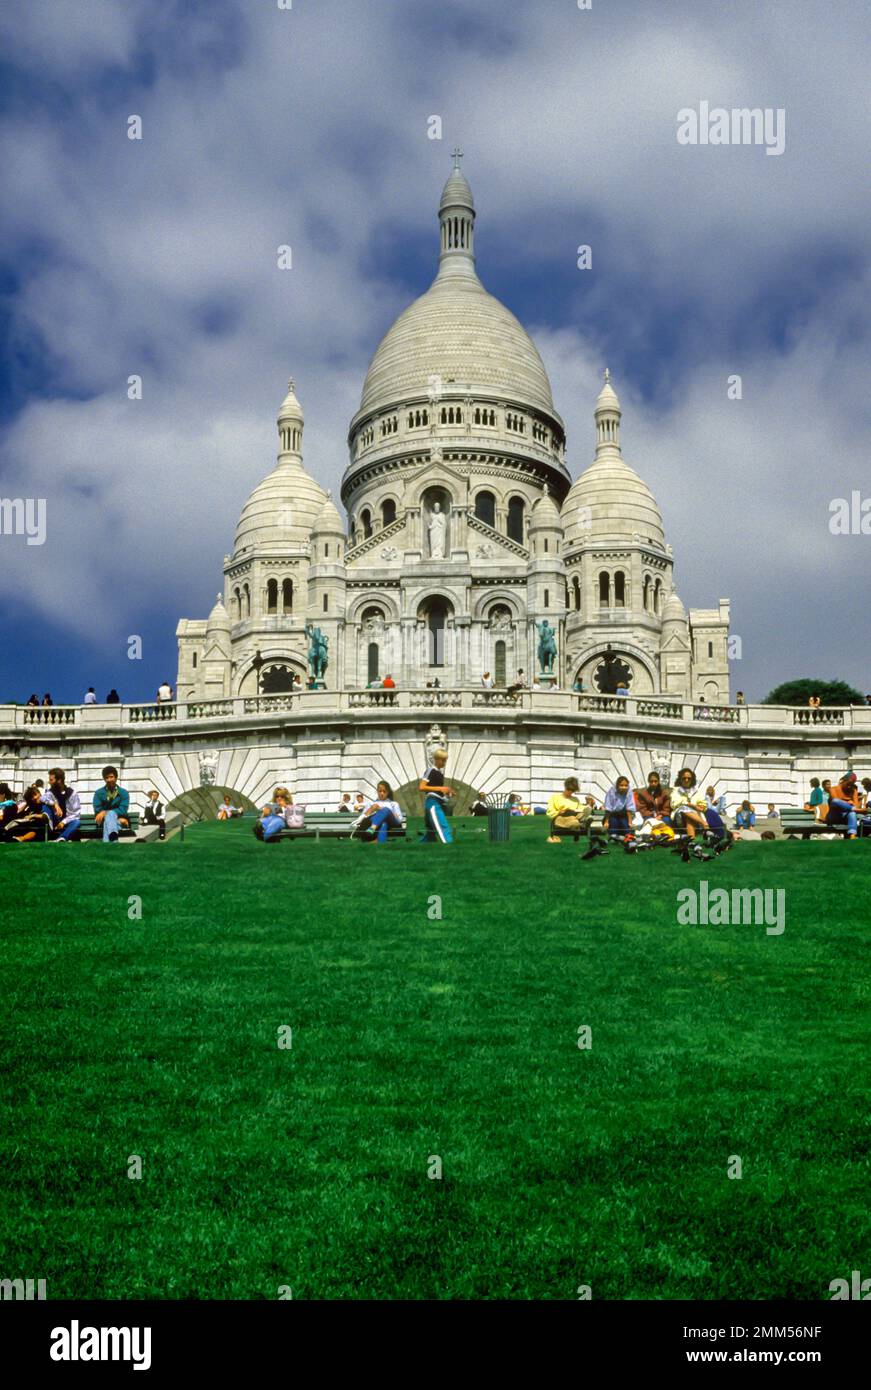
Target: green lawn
[415,1037]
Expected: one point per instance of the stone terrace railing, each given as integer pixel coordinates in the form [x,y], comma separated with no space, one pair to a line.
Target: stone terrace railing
[564,705]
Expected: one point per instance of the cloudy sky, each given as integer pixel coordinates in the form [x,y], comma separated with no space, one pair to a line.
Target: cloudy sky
[309,127]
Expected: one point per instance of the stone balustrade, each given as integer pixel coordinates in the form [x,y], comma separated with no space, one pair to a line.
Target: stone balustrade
[561,704]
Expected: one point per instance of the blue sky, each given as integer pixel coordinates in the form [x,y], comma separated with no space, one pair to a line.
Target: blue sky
[309,127]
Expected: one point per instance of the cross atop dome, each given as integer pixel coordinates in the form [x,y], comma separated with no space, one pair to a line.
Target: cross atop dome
[457,155]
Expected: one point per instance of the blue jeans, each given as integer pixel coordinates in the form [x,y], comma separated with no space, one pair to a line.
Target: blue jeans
[111,825]
[69,829]
[618,822]
[381,822]
[846,812]
[437,827]
[272,825]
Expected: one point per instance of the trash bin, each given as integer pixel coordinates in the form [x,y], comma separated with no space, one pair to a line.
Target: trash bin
[498,817]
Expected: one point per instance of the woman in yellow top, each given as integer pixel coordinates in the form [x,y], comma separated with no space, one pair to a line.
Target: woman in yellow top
[687,812]
[566,812]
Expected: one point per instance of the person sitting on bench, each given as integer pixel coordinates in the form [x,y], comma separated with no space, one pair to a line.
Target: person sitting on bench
[619,807]
[654,800]
[154,814]
[270,824]
[67,803]
[686,815]
[845,804]
[383,815]
[111,804]
[566,813]
[33,819]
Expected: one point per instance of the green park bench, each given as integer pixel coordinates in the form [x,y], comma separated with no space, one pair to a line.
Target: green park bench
[90,830]
[795,821]
[336,825]
[594,826]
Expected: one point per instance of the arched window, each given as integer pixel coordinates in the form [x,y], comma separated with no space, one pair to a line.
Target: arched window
[657,596]
[516,518]
[237,605]
[604,589]
[620,589]
[645,593]
[485,508]
[366,523]
[372,662]
[246,601]
[436,624]
[388,511]
[576,585]
[272,596]
[499,663]
[287,595]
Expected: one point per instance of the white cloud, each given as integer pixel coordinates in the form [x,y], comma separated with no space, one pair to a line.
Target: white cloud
[309,127]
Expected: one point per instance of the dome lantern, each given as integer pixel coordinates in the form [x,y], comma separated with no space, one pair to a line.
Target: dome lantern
[457,224]
[290,425]
[607,416]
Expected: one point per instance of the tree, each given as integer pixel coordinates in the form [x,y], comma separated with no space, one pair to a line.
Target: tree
[798,692]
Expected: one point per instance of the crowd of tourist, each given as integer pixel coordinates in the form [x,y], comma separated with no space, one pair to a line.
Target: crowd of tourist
[54,813]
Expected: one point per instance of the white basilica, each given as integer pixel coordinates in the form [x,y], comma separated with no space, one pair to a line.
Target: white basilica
[465,531]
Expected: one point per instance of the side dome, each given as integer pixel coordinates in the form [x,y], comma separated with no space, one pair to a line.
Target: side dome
[609,502]
[281,510]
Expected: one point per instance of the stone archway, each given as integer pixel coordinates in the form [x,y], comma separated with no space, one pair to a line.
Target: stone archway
[201,803]
[278,679]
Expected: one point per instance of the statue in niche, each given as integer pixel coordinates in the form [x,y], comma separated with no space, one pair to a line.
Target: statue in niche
[437,528]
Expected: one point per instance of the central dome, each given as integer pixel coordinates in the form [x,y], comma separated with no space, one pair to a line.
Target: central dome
[457,331]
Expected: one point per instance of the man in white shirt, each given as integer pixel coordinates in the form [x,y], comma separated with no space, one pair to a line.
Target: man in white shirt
[487,681]
[164,693]
[90,696]
[67,801]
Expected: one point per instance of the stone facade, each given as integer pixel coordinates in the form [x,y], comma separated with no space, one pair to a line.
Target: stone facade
[465,531]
